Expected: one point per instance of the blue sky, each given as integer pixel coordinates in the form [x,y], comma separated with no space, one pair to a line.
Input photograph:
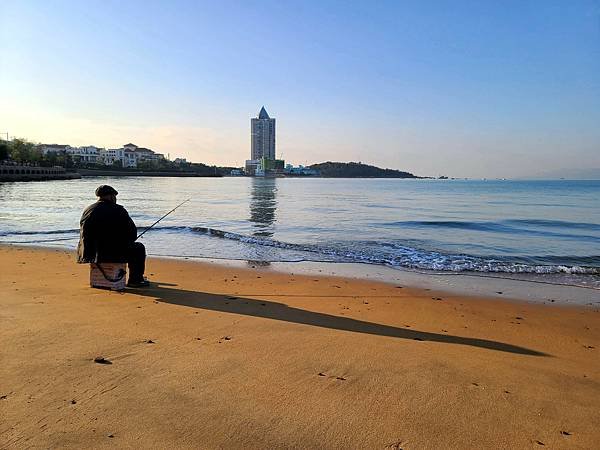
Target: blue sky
[458,88]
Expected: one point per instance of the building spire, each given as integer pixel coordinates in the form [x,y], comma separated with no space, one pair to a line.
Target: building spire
[263,114]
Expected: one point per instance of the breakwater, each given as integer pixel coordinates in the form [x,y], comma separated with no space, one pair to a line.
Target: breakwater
[34,173]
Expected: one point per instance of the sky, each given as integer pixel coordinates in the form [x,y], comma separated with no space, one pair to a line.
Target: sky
[456,88]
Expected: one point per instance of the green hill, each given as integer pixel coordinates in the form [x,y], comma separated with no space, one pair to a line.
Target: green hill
[357,170]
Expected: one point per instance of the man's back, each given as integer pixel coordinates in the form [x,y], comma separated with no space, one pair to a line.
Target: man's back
[106,233]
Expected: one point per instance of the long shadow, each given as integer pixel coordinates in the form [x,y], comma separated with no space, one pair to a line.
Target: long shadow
[279,311]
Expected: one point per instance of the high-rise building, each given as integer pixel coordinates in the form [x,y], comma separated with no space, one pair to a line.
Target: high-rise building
[262,136]
[262,140]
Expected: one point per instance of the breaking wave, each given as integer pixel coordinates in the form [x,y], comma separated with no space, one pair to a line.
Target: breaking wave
[408,257]
[392,254]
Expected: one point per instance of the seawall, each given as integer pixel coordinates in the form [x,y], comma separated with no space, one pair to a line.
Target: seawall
[35,173]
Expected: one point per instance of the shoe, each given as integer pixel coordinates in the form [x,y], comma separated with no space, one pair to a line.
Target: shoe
[138,284]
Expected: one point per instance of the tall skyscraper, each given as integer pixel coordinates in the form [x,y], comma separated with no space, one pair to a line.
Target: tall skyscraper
[262,136]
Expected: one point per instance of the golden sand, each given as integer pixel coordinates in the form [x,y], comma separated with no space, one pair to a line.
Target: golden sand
[217,357]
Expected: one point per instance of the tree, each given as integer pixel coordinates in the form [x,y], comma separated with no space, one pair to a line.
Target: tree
[22,151]
[4,150]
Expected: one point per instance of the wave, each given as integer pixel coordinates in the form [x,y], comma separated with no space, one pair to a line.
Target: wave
[374,252]
[556,224]
[36,233]
[76,231]
[409,257]
[506,227]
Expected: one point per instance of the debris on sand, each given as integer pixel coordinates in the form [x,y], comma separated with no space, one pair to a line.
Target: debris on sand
[101,360]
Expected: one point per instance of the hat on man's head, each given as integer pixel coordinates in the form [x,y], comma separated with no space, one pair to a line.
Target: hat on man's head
[105,189]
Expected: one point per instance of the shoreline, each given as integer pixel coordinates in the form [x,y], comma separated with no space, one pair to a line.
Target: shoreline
[213,356]
[472,284]
[533,288]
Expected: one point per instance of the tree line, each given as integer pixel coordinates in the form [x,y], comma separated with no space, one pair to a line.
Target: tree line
[22,151]
[25,152]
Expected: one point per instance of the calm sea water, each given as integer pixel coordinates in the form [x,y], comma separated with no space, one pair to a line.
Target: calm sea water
[498,227]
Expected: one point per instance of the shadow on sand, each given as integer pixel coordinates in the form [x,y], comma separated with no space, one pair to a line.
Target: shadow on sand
[167,293]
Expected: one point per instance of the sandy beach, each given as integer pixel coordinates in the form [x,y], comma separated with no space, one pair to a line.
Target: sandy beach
[218,357]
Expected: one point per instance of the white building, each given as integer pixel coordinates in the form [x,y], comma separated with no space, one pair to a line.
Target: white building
[86,154]
[142,153]
[129,155]
[110,155]
[53,148]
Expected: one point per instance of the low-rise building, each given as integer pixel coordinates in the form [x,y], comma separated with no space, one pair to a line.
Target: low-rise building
[110,155]
[53,148]
[300,170]
[86,154]
[251,166]
[128,156]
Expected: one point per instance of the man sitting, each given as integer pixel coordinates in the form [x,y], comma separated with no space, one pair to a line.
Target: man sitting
[107,235]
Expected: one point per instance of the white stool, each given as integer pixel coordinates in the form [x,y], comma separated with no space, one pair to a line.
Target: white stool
[108,275]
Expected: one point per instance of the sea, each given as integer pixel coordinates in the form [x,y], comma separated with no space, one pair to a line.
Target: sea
[540,229]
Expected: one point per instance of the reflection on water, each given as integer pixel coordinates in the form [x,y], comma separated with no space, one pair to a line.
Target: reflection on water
[263,204]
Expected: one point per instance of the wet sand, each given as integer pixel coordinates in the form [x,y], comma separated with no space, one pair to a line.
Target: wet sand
[220,357]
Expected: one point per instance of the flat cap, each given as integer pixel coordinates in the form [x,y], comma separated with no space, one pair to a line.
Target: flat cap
[105,189]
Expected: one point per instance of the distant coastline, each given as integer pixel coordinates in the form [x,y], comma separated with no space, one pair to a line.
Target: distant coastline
[142,173]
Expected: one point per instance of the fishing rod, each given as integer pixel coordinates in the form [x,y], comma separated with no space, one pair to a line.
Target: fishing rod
[148,229]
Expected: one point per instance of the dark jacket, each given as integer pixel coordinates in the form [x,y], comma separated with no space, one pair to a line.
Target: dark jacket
[106,233]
